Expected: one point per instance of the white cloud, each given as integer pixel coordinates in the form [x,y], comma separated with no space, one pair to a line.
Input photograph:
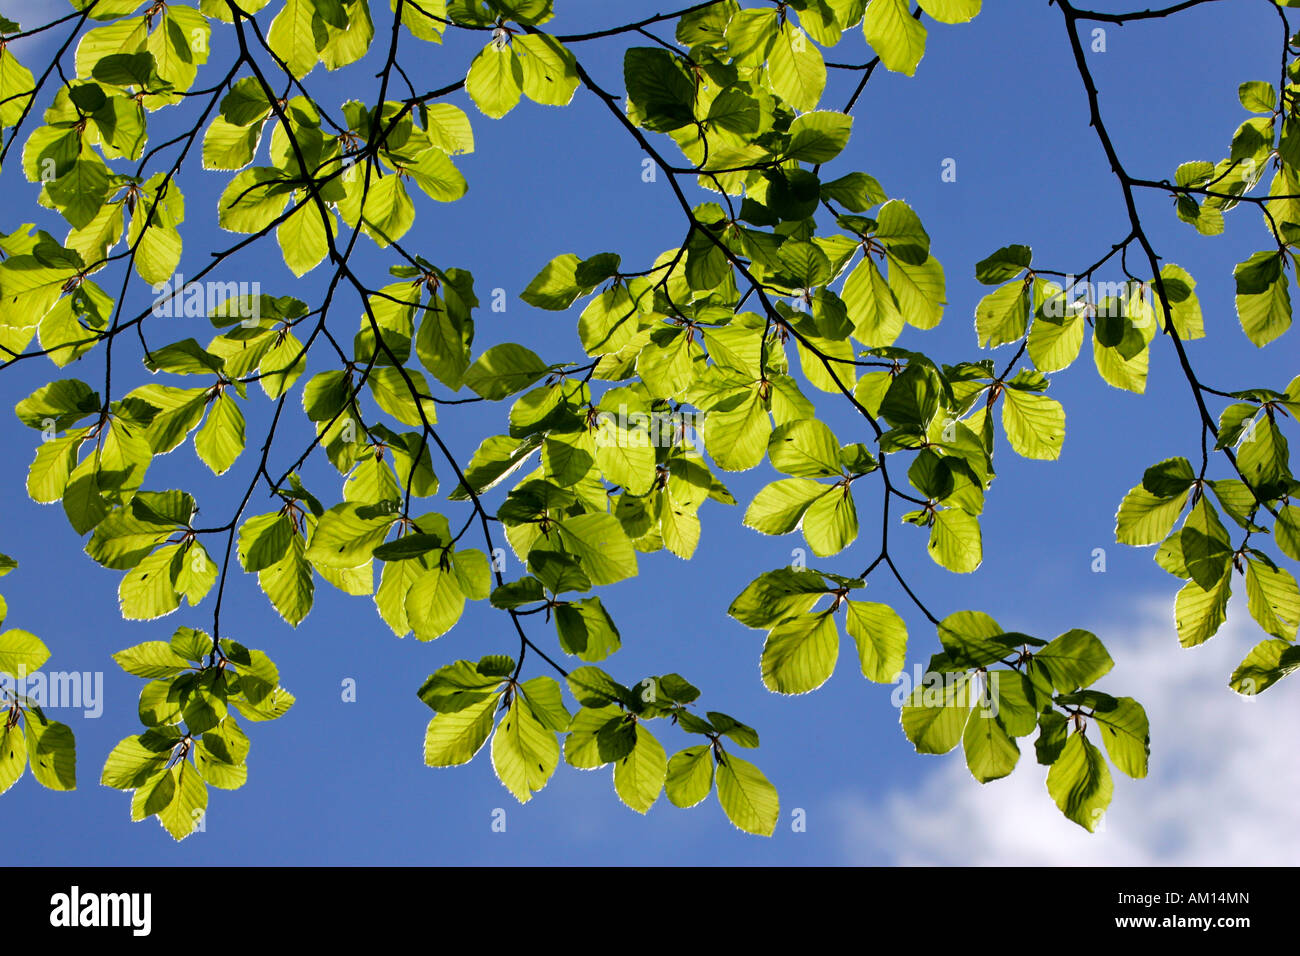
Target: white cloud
[1223,780]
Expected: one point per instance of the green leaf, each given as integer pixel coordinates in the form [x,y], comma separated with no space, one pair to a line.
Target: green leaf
[991,753]
[689,776]
[804,449]
[1185,307]
[920,290]
[1035,424]
[215,771]
[1264,458]
[639,777]
[1126,734]
[65,401]
[459,685]
[221,439]
[1233,422]
[599,542]
[263,540]
[1053,730]
[737,437]
[973,639]
[795,68]
[1200,612]
[228,146]
[1274,598]
[626,459]
[818,137]
[455,737]
[881,637]
[805,263]
[1169,478]
[296,35]
[1075,659]
[51,751]
[749,800]
[550,73]
[1080,782]
[609,322]
[658,88]
[597,737]
[151,659]
[449,128]
[191,644]
[831,522]
[288,583]
[1258,96]
[1003,315]
[1287,531]
[1264,666]
[546,702]
[1016,701]
[555,288]
[735,112]
[935,714]
[13,756]
[16,87]
[1145,519]
[21,653]
[895,35]
[733,729]
[149,590]
[302,238]
[777,595]
[384,210]
[1207,549]
[955,541]
[434,604]
[503,370]
[857,192]
[586,629]
[246,102]
[1006,264]
[799,654]
[203,707]
[1054,346]
[392,390]
[1236,499]
[1263,299]
[1120,350]
[749,35]
[495,460]
[252,200]
[346,536]
[900,229]
[183,812]
[524,752]
[951,11]
[779,507]
[438,176]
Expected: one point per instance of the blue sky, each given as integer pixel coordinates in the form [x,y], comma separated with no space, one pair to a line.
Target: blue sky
[343,783]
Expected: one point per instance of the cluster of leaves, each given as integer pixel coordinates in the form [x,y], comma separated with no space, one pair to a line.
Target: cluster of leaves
[192,739]
[1202,552]
[1256,495]
[1204,191]
[46,745]
[609,728]
[787,283]
[1043,685]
